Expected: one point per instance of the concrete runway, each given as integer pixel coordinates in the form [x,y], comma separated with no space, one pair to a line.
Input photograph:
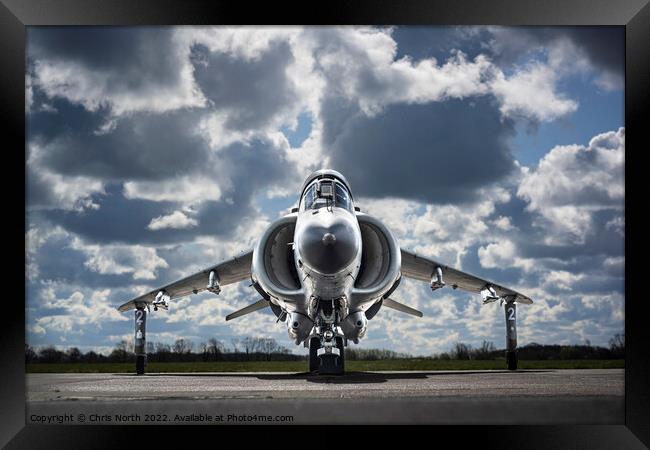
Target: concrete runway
[490,397]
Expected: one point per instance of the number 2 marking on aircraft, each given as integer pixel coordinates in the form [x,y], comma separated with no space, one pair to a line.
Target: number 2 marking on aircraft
[512,313]
[138,316]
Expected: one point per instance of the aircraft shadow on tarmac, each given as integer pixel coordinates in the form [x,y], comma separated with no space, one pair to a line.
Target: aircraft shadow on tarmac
[347,378]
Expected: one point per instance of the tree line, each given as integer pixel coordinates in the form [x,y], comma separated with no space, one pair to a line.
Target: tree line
[268,349]
[534,351]
[182,350]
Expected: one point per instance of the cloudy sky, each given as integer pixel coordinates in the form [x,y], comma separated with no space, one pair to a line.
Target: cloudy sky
[154,152]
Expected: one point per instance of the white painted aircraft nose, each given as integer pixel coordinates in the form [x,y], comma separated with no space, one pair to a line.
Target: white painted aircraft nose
[328,248]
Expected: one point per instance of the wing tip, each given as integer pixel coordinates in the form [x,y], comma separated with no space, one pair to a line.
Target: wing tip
[524,300]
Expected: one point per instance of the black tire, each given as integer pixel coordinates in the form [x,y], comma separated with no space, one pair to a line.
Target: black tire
[511,357]
[139,364]
[341,347]
[314,361]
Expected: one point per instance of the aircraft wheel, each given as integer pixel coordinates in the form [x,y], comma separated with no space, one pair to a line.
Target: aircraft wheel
[314,362]
[511,357]
[139,364]
[341,347]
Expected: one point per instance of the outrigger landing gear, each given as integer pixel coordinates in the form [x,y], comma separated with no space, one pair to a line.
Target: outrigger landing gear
[511,333]
[140,348]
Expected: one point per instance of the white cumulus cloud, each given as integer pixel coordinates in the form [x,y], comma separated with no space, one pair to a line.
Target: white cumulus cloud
[573,182]
[531,93]
[176,220]
[115,259]
[503,254]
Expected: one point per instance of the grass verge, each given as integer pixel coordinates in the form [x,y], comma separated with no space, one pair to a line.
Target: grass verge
[301,366]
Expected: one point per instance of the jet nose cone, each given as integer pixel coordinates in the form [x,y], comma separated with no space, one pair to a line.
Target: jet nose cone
[328,250]
[328,239]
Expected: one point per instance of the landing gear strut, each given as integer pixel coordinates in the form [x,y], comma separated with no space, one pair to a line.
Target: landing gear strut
[511,333]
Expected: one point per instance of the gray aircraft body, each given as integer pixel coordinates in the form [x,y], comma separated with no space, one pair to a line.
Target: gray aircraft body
[326,269]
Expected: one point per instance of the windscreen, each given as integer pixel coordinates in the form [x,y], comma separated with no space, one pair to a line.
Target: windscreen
[342,197]
[314,198]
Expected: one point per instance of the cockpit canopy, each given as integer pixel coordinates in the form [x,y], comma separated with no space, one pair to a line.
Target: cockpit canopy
[326,192]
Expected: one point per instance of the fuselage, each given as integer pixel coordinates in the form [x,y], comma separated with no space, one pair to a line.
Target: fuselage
[317,284]
[327,250]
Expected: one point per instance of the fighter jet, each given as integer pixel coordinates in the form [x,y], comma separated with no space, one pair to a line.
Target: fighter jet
[325,270]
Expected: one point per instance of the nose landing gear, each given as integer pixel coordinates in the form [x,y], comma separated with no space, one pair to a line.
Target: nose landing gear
[328,359]
[327,344]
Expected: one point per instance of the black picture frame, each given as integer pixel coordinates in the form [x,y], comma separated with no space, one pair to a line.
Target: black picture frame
[15,15]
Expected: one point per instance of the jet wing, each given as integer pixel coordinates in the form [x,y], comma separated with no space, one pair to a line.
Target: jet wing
[422,268]
[226,272]
[401,307]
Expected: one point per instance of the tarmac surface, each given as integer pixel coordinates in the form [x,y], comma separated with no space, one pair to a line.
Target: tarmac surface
[487,397]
